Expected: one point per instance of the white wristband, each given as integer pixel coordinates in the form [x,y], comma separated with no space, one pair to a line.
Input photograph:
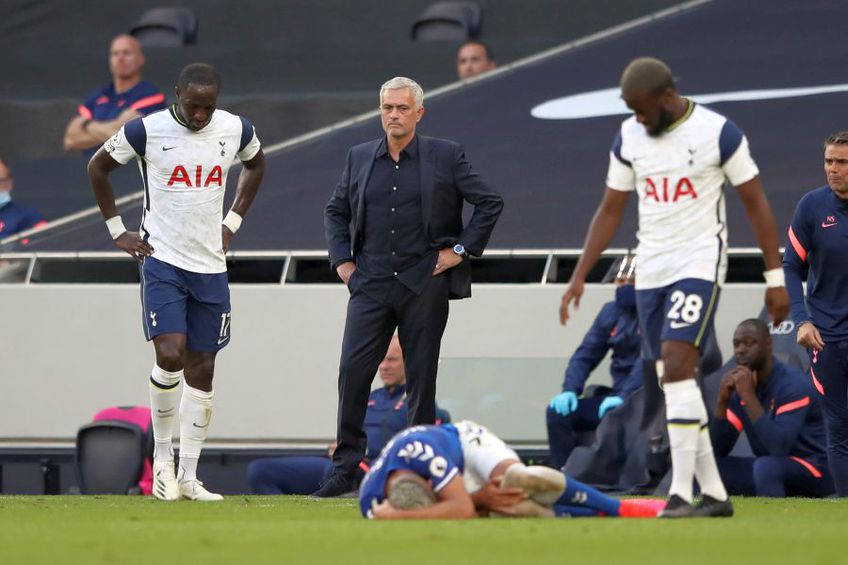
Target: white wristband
[774,278]
[116,227]
[232,221]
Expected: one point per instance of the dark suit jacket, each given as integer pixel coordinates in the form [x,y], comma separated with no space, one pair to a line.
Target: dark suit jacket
[447,180]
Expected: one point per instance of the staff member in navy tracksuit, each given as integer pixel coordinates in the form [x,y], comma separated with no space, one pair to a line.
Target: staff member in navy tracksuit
[616,328]
[817,247]
[14,217]
[777,407]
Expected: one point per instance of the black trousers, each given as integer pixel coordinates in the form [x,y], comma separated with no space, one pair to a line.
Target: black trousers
[370,324]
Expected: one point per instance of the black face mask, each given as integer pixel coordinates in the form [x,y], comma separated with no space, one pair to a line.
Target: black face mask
[625,296]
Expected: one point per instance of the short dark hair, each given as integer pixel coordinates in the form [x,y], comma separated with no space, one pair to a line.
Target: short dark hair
[490,55]
[647,73]
[759,325]
[840,138]
[199,73]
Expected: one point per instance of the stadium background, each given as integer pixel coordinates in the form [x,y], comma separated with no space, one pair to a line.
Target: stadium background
[71,341]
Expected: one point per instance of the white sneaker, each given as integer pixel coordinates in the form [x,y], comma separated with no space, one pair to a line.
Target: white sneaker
[165,480]
[193,490]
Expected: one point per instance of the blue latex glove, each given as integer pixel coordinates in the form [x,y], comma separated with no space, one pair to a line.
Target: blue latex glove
[564,403]
[609,403]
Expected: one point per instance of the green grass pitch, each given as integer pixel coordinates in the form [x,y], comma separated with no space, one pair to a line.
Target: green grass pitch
[247,530]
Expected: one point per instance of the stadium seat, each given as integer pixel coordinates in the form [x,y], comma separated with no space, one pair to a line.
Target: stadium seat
[784,347]
[110,457]
[448,21]
[166,27]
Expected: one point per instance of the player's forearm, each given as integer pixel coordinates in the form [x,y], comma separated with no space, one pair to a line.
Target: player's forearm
[248,184]
[765,229]
[601,231]
[444,510]
[98,175]
[752,407]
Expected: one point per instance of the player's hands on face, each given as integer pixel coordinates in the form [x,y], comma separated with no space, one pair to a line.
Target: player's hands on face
[384,511]
[496,499]
[226,238]
[572,293]
[777,303]
[746,380]
[447,259]
[131,243]
[345,270]
[808,336]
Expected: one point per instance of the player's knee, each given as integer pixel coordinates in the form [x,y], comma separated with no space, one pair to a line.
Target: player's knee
[678,363]
[556,420]
[767,470]
[169,353]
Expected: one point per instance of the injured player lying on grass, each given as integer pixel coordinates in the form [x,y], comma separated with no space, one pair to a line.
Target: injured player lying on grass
[463,470]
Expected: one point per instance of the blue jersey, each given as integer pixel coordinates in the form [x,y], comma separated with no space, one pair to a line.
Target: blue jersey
[15,218]
[432,452]
[104,104]
[386,415]
[792,425]
[615,328]
[817,249]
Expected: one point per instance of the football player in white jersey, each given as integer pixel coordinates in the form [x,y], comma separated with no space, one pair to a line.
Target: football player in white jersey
[676,156]
[184,154]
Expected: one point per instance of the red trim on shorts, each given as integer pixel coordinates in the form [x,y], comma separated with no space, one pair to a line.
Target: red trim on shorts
[85,112]
[808,466]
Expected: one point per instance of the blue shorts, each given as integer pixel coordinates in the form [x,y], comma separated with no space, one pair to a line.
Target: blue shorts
[174,300]
[681,311]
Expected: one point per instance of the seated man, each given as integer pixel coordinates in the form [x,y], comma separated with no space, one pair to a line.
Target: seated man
[14,217]
[385,416]
[615,328]
[111,106]
[777,407]
[464,470]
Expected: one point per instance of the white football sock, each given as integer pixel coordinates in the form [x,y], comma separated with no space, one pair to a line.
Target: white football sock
[706,470]
[195,415]
[685,413]
[164,395]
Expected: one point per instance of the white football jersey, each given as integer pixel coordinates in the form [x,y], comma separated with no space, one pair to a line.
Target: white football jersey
[184,174]
[679,177]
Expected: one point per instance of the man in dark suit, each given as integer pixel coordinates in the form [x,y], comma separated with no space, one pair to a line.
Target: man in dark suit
[396,239]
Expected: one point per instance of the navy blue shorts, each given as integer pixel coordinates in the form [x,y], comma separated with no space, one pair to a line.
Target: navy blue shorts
[681,311]
[174,300]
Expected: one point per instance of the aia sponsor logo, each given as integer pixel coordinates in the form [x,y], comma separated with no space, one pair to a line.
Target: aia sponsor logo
[664,190]
[180,177]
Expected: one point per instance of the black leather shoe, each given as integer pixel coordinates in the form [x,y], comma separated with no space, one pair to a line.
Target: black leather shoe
[709,507]
[334,486]
[677,508]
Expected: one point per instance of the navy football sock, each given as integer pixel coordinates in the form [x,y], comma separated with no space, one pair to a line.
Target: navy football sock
[568,511]
[578,494]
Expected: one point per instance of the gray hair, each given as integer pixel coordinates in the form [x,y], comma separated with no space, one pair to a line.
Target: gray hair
[840,138]
[402,82]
